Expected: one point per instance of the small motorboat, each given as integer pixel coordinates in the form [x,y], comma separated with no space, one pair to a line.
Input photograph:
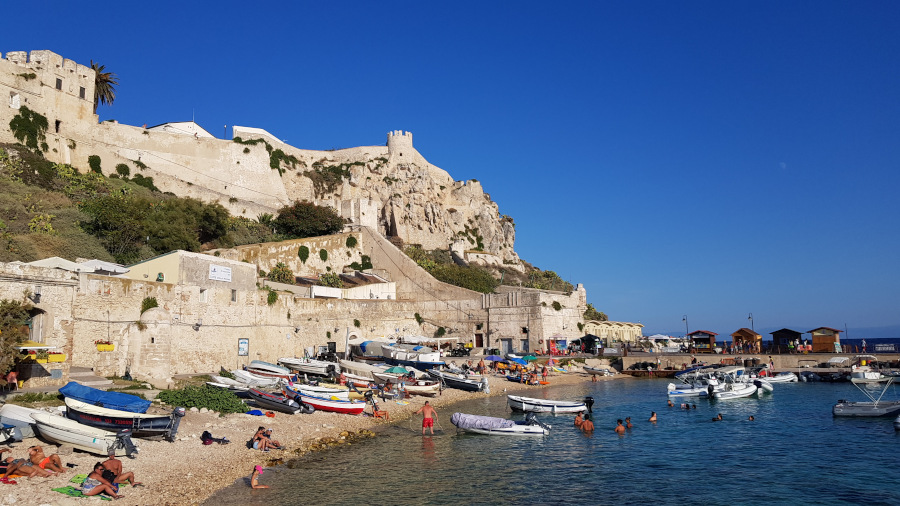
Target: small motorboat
[423,387]
[254,380]
[873,407]
[783,377]
[276,402]
[20,418]
[310,366]
[499,426]
[84,437]
[599,371]
[699,387]
[459,381]
[104,399]
[141,424]
[265,369]
[531,405]
[319,391]
[762,386]
[735,391]
[327,404]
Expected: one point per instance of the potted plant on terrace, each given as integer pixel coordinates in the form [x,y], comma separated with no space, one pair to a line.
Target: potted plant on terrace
[56,356]
[41,356]
[104,345]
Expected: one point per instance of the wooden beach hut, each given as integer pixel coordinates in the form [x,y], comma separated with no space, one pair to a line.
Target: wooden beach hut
[783,340]
[826,340]
[703,341]
[745,340]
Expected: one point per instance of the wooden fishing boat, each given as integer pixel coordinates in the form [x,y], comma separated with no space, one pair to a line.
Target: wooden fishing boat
[326,404]
[499,426]
[423,387]
[141,424]
[310,366]
[532,405]
[275,402]
[83,437]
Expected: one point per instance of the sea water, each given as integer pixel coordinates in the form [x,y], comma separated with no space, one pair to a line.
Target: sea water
[794,452]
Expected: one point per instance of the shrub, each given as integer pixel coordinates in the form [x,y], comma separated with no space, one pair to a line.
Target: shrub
[592,314]
[323,255]
[419,318]
[440,332]
[556,305]
[281,273]
[331,279]
[356,323]
[304,219]
[272,297]
[94,162]
[148,303]
[303,253]
[351,241]
[123,170]
[366,264]
[30,128]
[203,396]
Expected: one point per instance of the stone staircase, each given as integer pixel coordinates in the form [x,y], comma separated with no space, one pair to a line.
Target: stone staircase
[85,376]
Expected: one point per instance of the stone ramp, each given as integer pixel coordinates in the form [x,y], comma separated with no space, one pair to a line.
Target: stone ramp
[86,376]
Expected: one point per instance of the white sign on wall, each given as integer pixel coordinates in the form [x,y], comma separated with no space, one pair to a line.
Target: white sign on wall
[219,273]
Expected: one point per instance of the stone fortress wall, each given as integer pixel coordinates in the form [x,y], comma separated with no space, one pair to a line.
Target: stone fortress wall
[391,188]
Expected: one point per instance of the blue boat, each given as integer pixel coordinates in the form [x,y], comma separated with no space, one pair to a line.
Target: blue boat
[103,399]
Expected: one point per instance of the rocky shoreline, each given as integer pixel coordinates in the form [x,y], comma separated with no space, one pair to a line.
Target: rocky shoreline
[187,472]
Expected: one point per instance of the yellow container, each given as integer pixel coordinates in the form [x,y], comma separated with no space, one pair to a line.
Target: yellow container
[106,347]
[57,357]
[41,360]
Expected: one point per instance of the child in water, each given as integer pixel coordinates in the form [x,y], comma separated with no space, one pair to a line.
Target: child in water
[254,483]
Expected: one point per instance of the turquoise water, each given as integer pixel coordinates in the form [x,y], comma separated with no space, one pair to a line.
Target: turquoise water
[795,452]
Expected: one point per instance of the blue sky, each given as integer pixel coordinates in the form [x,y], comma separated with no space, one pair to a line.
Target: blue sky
[709,159]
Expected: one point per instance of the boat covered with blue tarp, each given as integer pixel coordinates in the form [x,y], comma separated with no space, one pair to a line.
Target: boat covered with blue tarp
[103,399]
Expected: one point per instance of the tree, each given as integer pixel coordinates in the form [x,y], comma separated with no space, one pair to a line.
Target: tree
[305,219]
[104,85]
[281,273]
[13,319]
[592,314]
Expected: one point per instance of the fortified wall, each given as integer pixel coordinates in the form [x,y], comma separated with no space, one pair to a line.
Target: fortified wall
[391,188]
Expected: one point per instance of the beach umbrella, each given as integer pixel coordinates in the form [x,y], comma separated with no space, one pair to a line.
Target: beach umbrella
[494,358]
[397,370]
[518,361]
[529,358]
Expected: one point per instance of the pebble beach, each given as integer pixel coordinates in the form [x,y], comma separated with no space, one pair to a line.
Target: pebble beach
[188,472]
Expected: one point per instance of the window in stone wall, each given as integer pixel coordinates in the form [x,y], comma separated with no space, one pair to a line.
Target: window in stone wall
[233,295]
[57,124]
[14,100]
[81,92]
[203,296]
[58,83]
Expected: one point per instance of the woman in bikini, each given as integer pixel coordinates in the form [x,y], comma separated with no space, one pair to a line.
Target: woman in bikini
[95,483]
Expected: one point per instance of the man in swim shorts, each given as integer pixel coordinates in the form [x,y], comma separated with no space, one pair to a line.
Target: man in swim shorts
[52,463]
[429,415]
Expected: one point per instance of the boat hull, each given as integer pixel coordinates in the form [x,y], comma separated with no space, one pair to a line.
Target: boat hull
[866,409]
[310,366]
[528,404]
[323,404]
[83,437]
[274,402]
[736,393]
[456,382]
[114,420]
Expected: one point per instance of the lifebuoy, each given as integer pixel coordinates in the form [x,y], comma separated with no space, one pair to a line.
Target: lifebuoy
[540,341]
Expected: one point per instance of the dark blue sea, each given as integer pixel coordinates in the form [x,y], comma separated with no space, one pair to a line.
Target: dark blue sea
[795,452]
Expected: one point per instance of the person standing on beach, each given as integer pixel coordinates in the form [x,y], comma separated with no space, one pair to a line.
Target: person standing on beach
[254,478]
[544,373]
[482,368]
[429,415]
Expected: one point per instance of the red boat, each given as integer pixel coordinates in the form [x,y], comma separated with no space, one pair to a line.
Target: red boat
[326,404]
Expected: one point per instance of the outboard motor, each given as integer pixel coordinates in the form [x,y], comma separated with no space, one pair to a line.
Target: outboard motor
[710,389]
[589,402]
[485,386]
[123,440]
[177,415]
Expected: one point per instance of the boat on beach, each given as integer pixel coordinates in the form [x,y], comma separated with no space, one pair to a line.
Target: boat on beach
[532,405]
[104,399]
[310,366]
[599,371]
[253,380]
[240,391]
[407,355]
[141,424]
[275,402]
[327,404]
[265,369]
[84,437]
[458,381]
[492,426]
[20,418]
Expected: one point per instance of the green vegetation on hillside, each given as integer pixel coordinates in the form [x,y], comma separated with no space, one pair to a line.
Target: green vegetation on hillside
[13,330]
[439,264]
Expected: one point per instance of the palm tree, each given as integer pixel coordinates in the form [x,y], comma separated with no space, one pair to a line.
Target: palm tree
[104,85]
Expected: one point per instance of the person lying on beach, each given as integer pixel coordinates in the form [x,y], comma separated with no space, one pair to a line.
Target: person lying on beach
[114,466]
[19,467]
[52,463]
[95,483]
[620,429]
[254,478]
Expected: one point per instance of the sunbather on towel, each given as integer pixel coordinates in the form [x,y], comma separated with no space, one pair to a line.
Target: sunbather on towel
[95,483]
[52,463]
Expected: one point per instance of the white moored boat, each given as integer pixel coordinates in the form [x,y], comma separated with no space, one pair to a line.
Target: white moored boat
[97,441]
[782,377]
[499,426]
[310,366]
[735,391]
[253,380]
[328,393]
[260,368]
[529,404]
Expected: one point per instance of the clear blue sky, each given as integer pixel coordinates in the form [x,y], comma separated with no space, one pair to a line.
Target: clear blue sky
[704,158]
